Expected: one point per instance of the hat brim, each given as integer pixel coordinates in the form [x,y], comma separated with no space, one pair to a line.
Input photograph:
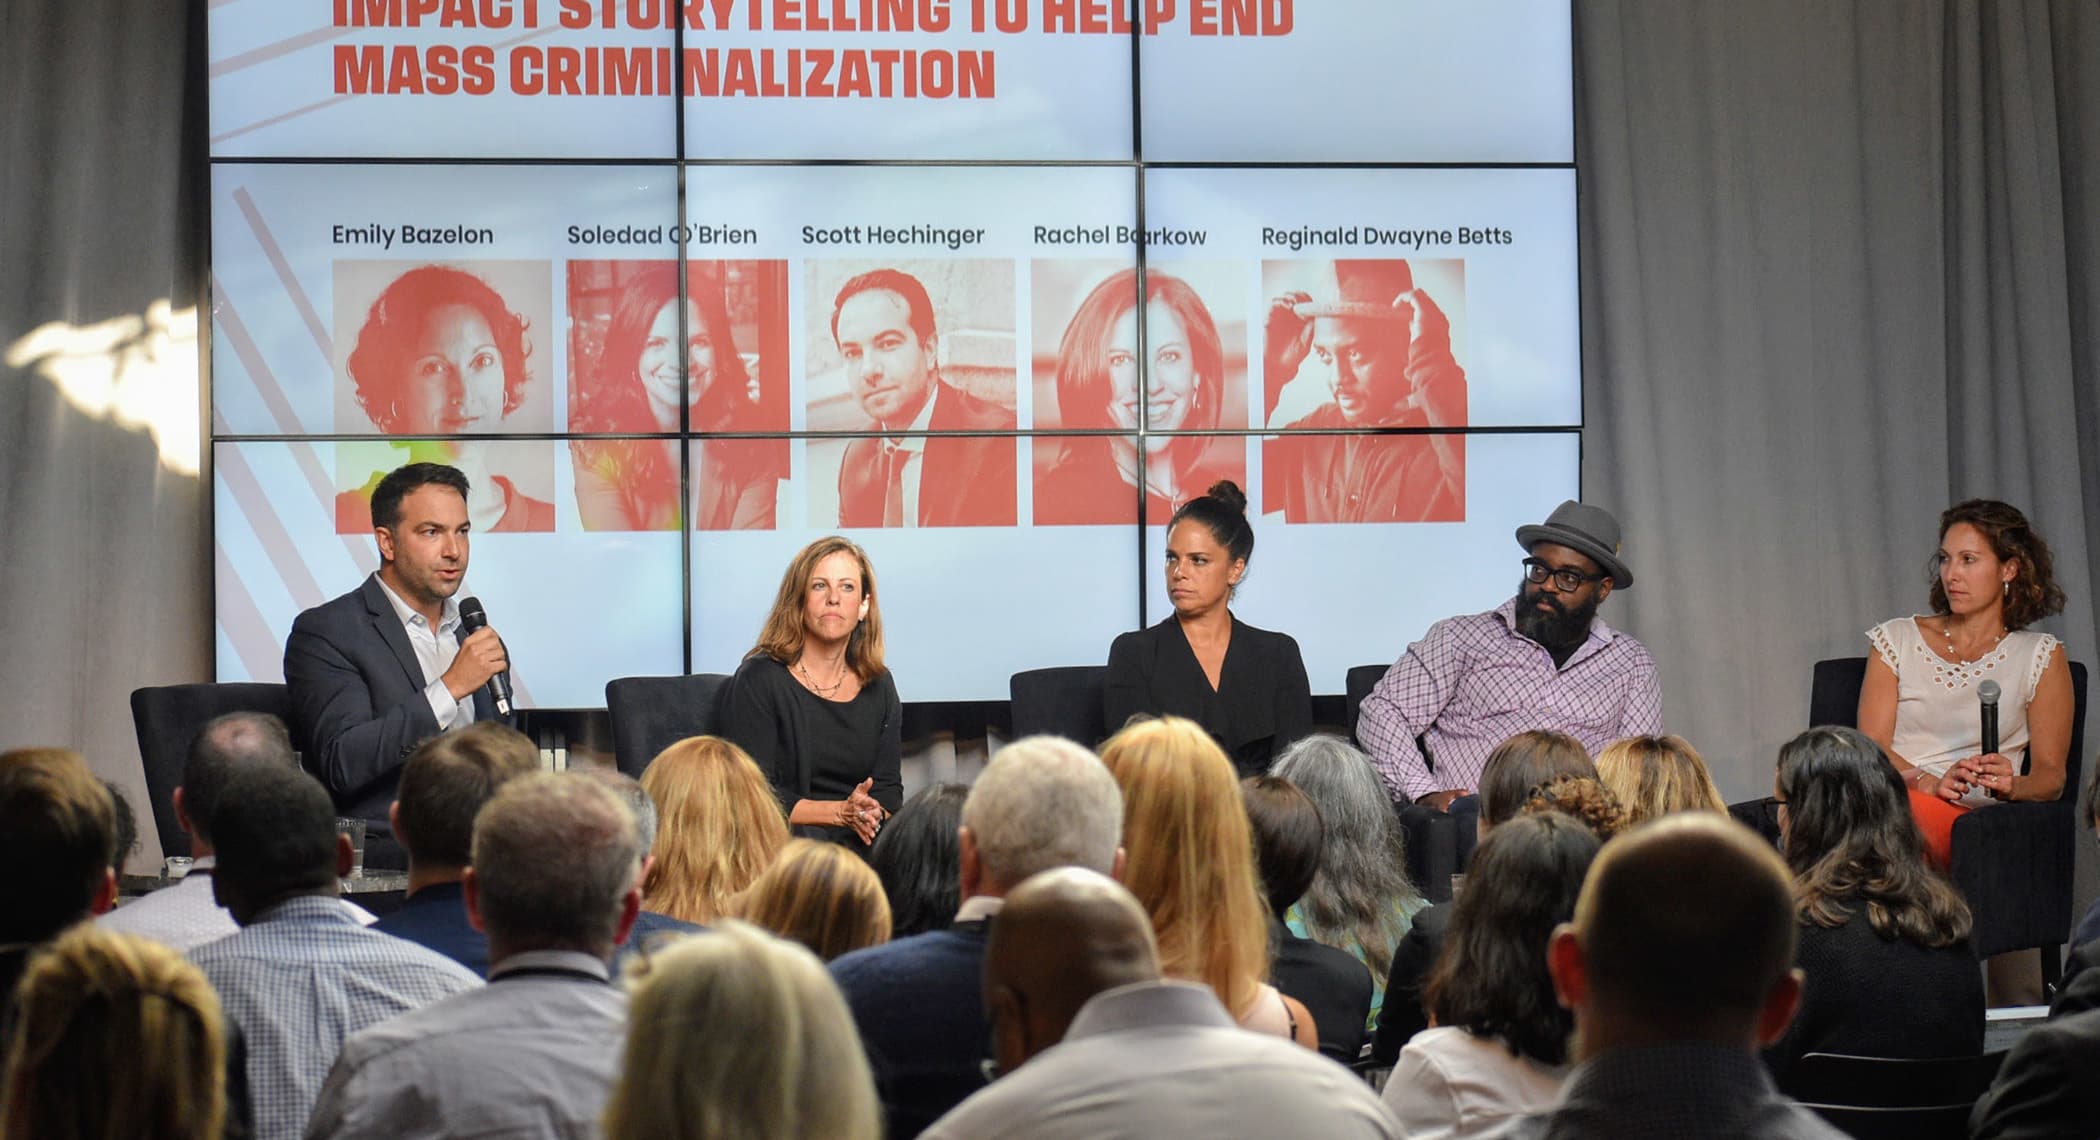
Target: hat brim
[1307,310]
[1530,536]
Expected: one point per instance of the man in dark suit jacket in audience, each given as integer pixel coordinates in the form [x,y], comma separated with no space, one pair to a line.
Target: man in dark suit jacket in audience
[883,325]
[2046,1088]
[1042,802]
[443,785]
[1678,967]
[374,672]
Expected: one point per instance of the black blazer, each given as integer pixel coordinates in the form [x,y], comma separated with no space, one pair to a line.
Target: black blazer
[1332,984]
[357,698]
[2046,1087]
[1262,705]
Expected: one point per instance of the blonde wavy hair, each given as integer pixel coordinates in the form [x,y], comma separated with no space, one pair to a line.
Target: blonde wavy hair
[738,1035]
[781,637]
[718,827]
[114,1036]
[821,895]
[1657,775]
[1189,856]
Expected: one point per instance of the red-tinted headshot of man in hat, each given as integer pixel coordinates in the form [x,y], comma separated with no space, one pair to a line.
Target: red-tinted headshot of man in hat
[1382,347]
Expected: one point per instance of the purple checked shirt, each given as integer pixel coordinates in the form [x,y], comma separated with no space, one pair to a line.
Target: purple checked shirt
[1473,682]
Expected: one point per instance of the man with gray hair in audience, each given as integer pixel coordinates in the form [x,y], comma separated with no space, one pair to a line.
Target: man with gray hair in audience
[1042,802]
[534,1053]
[185,916]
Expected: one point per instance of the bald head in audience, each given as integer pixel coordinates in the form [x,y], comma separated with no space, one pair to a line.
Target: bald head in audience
[1684,933]
[224,748]
[1063,937]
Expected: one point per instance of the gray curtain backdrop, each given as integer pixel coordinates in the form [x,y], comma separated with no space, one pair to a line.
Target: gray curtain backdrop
[105,552]
[1838,273]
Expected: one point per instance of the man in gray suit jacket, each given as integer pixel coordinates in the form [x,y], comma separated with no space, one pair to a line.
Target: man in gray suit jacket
[378,670]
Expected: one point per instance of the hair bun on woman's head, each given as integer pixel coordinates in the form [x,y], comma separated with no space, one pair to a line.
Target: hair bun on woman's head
[1228,492]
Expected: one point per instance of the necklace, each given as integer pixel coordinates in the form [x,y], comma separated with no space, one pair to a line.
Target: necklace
[1947,631]
[811,682]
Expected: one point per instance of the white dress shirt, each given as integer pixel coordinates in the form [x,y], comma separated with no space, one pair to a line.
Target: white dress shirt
[435,650]
[1450,1083]
[913,449]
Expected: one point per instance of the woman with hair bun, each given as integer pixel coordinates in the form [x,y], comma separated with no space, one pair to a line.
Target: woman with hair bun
[1245,686]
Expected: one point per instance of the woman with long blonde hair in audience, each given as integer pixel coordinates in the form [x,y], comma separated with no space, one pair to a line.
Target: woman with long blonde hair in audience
[821,895]
[738,1035]
[1189,858]
[113,1037]
[718,827]
[1657,775]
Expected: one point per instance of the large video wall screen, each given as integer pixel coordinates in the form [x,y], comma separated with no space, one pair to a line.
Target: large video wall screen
[683,286]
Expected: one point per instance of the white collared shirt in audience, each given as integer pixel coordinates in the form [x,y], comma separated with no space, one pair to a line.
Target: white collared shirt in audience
[185,915]
[1165,1059]
[1449,1083]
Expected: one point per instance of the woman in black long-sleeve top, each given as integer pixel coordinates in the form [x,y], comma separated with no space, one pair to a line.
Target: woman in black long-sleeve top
[813,704]
[1245,686]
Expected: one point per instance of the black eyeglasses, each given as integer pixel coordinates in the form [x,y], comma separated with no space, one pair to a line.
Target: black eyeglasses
[1566,579]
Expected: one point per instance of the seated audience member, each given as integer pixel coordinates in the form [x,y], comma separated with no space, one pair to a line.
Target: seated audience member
[1676,968]
[57,818]
[1361,900]
[1042,802]
[127,826]
[2045,1088]
[821,895]
[2085,937]
[736,1033]
[1096,1043]
[918,856]
[552,880]
[1583,799]
[648,924]
[1543,659]
[717,827]
[113,1036]
[1332,984]
[1190,861]
[1499,1047]
[302,974]
[185,915]
[1656,775]
[442,786]
[1884,940]
[1515,769]
[1245,686]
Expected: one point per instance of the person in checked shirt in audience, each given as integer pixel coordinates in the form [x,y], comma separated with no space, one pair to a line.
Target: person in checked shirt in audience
[303,973]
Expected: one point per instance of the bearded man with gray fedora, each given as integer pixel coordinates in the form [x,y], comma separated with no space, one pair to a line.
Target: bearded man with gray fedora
[1542,660]
[1383,348]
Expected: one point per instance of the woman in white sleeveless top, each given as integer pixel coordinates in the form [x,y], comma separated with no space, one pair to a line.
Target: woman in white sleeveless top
[1920,702]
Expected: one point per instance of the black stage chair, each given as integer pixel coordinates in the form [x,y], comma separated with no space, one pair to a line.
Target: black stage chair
[1065,701]
[167,718]
[1432,836]
[2012,862]
[1872,1097]
[649,714]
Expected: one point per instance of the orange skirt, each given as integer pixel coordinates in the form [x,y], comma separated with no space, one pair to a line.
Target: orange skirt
[1936,818]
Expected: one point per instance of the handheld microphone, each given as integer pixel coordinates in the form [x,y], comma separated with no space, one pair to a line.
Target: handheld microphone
[472,617]
[1987,701]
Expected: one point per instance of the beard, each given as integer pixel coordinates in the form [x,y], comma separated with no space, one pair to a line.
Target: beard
[1560,628]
